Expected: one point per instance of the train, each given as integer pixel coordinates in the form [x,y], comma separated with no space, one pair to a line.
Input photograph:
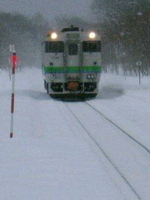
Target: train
[71,63]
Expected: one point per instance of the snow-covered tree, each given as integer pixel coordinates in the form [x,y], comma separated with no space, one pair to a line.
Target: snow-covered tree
[125,28]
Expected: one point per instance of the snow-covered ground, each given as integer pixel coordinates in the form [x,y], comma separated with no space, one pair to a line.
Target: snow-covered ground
[50,156]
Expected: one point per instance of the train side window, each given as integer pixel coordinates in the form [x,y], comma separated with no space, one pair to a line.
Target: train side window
[73,49]
[54,47]
[91,46]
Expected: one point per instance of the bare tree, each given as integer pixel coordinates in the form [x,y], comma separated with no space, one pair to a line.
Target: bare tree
[125,28]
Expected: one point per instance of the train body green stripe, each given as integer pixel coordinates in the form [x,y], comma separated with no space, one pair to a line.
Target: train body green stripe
[72,69]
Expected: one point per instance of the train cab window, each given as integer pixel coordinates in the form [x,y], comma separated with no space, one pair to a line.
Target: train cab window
[73,49]
[91,46]
[54,47]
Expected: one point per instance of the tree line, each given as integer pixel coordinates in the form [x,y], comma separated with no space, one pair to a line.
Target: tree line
[125,32]
[26,33]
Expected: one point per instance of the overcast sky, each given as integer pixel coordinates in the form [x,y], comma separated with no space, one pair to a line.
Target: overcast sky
[49,8]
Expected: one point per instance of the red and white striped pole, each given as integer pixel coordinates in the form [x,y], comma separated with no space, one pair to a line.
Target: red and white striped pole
[14,61]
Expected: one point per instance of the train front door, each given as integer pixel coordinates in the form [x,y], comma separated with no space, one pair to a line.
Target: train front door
[73,61]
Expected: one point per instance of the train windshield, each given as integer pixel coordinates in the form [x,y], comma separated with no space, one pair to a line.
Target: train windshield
[73,49]
[91,46]
[54,47]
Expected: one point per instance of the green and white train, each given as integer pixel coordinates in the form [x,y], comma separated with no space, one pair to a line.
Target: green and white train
[71,63]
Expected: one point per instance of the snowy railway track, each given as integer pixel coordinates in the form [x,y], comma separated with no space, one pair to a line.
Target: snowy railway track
[103,151]
[122,130]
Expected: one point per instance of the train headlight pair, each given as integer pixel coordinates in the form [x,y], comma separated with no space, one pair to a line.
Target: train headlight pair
[90,76]
[92,35]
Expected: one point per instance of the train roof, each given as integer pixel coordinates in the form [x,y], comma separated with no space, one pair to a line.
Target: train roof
[72,28]
[72,33]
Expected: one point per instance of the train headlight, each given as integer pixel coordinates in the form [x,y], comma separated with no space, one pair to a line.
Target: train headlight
[92,35]
[54,36]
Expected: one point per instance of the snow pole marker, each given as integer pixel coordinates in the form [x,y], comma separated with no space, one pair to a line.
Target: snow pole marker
[14,61]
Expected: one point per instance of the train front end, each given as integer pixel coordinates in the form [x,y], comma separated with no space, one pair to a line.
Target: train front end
[71,63]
